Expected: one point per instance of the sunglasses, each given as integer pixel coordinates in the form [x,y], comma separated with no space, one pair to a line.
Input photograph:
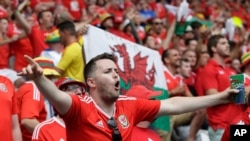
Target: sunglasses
[116,135]
[72,88]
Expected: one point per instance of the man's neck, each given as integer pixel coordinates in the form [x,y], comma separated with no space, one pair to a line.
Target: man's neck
[106,107]
[171,69]
[42,27]
[220,60]
[71,40]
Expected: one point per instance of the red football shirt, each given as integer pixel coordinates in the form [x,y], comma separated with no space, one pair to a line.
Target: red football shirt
[190,80]
[74,7]
[173,81]
[242,119]
[7,108]
[30,103]
[198,84]
[86,121]
[19,48]
[216,77]
[4,55]
[37,39]
[50,130]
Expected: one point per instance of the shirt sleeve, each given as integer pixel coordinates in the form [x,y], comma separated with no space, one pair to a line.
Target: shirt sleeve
[38,135]
[32,103]
[74,111]
[146,110]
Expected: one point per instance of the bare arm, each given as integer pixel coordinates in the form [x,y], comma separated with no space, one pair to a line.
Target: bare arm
[178,105]
[16,132]
[30,124]
[12,39]
[211,91]
[166,41]
[59,99]
[22,21]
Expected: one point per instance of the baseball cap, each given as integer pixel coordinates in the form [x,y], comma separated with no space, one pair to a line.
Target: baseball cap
[139,91]
[52,37]
[65,81]
[245,59]
[47,66]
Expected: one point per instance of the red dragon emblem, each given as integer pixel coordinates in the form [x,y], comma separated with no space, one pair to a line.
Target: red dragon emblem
[138,75]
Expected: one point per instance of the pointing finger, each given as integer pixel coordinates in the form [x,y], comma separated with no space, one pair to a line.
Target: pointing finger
[30,60]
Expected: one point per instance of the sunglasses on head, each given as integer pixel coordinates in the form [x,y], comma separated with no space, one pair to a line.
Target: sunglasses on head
[73,87]
[116,135]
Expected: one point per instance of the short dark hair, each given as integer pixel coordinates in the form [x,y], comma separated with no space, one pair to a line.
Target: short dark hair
[40,14]
[91,65]
[67,26]
[187,41]
[184,60]
[212,42]
[164,55]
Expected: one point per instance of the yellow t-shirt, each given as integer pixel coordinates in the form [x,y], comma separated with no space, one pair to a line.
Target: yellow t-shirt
[72,62]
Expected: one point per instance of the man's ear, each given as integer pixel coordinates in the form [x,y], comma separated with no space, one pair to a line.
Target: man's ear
[91,82]
[214,49]
[166,60]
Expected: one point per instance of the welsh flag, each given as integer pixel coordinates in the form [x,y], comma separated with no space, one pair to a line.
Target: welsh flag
[137,64]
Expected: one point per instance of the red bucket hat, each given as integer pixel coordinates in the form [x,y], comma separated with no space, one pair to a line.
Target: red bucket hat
[65,81]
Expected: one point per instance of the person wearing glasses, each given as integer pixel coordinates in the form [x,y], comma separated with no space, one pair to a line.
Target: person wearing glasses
[54,128]
[104,114]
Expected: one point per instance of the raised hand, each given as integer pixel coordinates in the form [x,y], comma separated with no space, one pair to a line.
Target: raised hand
[33,70]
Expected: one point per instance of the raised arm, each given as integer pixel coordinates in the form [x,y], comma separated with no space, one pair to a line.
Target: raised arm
[178,105]
[59,99]
[23,22]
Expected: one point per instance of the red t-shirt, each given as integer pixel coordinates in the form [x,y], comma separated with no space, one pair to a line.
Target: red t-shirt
[37,39]
[19,48]
[246,80]
[75,8]
[86,121]
[216,77]
[144,134]
[30,103]
[173,81]
[159,9]
[242,119]
[117,13]
[50,130]
[190,80]
[161,37]
[33,3]
[7,108]
[198,84]
[4,55]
